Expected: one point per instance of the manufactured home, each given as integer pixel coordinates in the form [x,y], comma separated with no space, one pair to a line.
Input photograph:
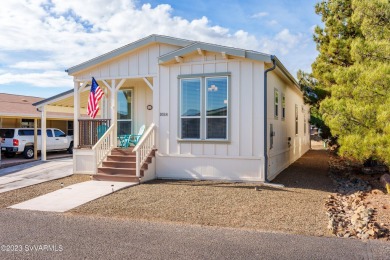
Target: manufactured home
[208,112]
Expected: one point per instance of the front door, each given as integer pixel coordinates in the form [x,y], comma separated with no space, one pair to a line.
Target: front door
[125,112]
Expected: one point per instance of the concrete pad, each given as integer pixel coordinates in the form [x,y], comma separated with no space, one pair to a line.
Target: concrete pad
[21,176]
[20,167]
[72,196]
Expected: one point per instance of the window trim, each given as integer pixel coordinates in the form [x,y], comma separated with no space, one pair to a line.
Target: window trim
[203,113]
[276,103]
[283,115]
[296,120]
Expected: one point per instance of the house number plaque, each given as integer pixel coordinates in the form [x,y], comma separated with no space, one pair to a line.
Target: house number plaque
[163,114]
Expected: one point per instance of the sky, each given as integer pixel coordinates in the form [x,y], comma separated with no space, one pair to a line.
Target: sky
[40,39]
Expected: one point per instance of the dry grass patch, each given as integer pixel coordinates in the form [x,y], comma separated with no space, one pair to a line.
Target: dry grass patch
[13,197]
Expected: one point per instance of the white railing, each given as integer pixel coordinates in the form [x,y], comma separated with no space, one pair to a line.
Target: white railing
[144,147]
[103,147]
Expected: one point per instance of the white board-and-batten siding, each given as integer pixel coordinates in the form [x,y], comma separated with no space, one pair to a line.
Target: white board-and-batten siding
[241,157]
[142,62]
[282,154]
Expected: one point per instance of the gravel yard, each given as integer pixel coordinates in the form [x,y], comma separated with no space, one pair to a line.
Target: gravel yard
[298,208]
[16,196]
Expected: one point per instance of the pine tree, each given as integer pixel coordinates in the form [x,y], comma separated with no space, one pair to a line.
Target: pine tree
[354,66]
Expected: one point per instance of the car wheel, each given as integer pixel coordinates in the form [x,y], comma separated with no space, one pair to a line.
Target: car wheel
[28,152]
[9,154]
[70,149]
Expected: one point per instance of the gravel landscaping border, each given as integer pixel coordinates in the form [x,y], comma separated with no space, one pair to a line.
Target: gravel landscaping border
[298,208]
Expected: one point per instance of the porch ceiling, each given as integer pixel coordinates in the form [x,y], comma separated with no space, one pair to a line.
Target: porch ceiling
[69,101]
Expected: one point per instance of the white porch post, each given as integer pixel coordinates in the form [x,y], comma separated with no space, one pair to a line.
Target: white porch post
[76,114]
[43,134]
[35,139]
[113,111]
[156,106]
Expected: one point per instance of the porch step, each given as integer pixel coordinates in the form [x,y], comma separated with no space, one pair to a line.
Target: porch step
[121,166]
[121,158]
[119,177]
[122,151]
[116,171]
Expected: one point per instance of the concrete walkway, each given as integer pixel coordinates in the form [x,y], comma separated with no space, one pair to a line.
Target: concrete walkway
[28,174]
[72,196]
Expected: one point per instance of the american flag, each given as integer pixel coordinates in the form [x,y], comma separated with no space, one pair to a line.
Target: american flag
[94,96]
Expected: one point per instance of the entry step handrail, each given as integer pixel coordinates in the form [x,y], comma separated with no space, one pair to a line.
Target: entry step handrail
[103,147]
[144,147]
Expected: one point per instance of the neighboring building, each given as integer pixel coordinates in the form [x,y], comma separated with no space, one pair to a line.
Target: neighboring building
[203,105]
[18,111]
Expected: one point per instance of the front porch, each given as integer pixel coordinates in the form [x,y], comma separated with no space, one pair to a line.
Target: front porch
[126,107]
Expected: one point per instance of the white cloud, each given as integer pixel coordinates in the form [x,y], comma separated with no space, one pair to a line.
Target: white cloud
[44,79]
[73,31]
[282,43]
[34,65]
[272,22]
[259,15]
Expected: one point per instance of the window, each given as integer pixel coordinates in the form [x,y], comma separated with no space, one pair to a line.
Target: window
[49,133]
[296,119]
[283,107]
[190,108]
[216,108]
[125,112]
[59,133]
[7,133]
[304,124]
[70,128]
[27,123]
[26,132]
[271,134]
[276,103]
[210,123]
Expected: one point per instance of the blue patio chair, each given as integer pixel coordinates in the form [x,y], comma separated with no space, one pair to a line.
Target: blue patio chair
[123,141]
[134,139]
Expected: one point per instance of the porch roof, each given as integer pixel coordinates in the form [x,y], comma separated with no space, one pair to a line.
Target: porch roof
[64,99]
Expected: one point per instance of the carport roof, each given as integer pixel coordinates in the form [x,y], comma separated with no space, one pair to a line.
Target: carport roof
[19,106]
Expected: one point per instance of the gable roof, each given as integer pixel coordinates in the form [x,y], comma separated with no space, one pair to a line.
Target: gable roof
[253,55]
[129,47]
[188,47]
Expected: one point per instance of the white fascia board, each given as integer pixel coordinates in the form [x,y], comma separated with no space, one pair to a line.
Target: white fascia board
[55,98]
[127,48]
[217,49]
[287,73]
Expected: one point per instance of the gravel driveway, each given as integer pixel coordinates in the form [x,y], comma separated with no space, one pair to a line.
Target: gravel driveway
[298,208]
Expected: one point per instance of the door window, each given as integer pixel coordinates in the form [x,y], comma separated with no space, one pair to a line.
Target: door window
[125,111]
[59,133]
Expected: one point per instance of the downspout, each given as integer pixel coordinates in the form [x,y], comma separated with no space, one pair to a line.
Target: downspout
[266,121]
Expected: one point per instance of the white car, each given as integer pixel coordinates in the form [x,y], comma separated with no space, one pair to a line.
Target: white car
[21,140]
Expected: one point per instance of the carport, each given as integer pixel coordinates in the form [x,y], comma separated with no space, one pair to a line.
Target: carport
[18,111]
[62,103]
